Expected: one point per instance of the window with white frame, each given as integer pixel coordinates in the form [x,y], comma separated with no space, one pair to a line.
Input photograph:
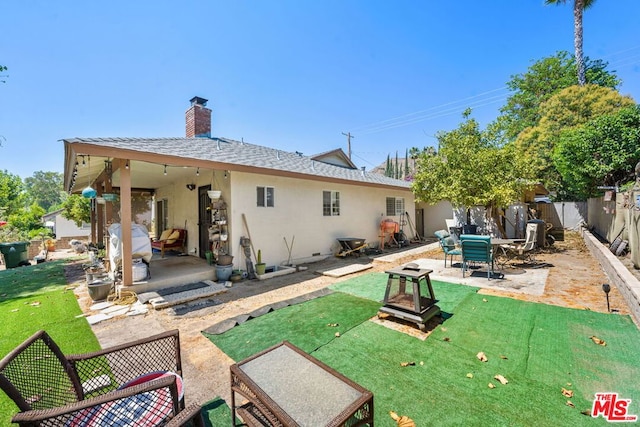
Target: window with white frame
[395,206]
[265,196]
[331,203]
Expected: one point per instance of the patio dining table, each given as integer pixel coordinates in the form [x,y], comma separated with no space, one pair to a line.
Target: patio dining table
[500,252]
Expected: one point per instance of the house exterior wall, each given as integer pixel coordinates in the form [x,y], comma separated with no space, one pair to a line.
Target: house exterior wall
[435,216]
[67,228]
[298,213]
[182,204]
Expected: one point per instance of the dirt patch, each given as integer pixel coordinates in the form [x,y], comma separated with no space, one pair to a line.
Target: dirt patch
[575,279]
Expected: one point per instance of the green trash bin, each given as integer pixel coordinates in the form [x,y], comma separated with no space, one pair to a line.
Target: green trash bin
[15,254]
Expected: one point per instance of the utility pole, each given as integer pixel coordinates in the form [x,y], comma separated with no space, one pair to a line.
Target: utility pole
[349,136]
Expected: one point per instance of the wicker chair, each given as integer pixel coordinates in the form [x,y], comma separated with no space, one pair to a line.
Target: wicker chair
[51,389]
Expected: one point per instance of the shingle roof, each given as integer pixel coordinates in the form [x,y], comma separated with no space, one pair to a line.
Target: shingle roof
[233,152]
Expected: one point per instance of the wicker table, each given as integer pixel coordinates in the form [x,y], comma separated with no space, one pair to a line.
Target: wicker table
[284,386]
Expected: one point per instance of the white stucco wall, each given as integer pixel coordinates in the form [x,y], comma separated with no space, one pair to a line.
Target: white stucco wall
[67,228]
[183,204]
[298,212]
[435,216]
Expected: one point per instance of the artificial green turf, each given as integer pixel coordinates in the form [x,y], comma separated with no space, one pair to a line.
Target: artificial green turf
[539,348]
[34,298]
[373,285]
[309,325]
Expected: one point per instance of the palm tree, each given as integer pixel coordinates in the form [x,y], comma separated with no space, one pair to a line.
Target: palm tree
[578,8]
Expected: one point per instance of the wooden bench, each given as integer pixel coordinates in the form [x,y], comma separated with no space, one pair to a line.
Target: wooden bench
[169,240]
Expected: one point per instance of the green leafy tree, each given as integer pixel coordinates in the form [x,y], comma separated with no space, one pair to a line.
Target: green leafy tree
[578,9]
[406,164]
[603,151]
[388,171]
[396,168]
[544,78]
[77,209]
[27,219]
[566,109]
[470,169]
[45,189]
[414,152]
[11,193]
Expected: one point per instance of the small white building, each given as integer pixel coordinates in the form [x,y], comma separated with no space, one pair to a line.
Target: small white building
[64,228]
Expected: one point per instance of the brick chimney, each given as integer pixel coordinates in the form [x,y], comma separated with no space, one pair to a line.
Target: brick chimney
[198,119]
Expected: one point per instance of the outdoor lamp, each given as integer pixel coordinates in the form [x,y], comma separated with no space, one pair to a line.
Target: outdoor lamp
[606,288]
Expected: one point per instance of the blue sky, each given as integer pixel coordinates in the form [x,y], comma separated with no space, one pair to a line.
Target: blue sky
[292,75]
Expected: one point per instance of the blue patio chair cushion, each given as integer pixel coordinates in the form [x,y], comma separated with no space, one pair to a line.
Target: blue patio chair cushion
[449,246]
[441,234]
[476,248]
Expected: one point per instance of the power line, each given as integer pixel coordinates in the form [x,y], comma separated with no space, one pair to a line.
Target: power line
[422,112]
[479,100]
[435,115]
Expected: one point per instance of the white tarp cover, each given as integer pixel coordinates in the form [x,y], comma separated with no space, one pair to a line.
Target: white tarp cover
[140,244]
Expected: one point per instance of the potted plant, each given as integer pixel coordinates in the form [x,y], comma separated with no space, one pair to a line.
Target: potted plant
[260,266]
[50,245]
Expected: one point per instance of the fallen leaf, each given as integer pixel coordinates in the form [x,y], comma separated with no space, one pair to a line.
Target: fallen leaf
[485,300]
[446,339]
[570,403]
[502,379]
[14,310]
[403,364]
[567,393]
[586,412]
[482,357]
[403,421]
[598,341]
[337,334]
[383,315]
[333,325]
[503,357]
[491,385]
[421,363]
[443,329]
[35,303]
[469,375]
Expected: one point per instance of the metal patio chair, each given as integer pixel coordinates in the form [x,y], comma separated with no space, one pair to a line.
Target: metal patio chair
[137,383]
[524,252]
[448,245]
[476,248]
